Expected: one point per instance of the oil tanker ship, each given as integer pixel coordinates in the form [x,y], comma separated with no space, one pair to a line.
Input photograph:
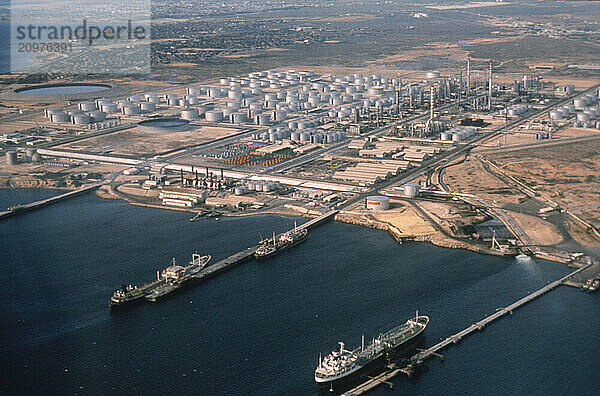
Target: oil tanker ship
[271,247]
[342,365]
[171,278]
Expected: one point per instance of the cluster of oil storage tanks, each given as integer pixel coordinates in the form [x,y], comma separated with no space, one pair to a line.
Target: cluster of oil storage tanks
[585,109]
[256,186]
[306,135]
[516,110]
[31,154]
[457,134]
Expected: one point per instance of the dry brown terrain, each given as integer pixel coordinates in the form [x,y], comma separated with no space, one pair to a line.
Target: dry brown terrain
[471,177]
[135,141]
[567,174]
[541,232]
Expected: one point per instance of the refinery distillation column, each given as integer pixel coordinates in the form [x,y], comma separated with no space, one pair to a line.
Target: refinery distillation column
[468,77]
[490,88]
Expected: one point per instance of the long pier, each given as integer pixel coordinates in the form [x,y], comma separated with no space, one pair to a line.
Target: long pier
[422,356]
[246,254]
[241,256]
[45,202]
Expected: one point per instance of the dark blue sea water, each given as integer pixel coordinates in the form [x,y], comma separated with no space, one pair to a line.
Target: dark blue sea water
[258,328]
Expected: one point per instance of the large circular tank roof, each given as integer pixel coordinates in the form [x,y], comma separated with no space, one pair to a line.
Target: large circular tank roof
[63,91]
[164,124]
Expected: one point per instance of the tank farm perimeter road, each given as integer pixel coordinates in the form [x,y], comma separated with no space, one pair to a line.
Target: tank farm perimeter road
[468,157]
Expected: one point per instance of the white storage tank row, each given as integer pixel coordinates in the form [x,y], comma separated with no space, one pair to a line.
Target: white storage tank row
[261,186]
[516,110]
[457,134]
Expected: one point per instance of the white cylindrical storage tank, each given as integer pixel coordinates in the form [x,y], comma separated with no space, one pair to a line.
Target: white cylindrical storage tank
[109,108]
[583,117]
[579,103]
[130,109]
[293,124]
[87,106]
[60,117]
[227,111]
[147,106]
[49,112]
[213,115]
[233,94]
[153,99]
[100,102]
[445,136]
[556,115]
[193,91]
[314,100]
[279,115]
[411,190]
[237,118]
[263,119]
[192,99]
[295,136]
[432,74]
[81,119]
[255,106]
[377,202]
[11,158]
[97,116]
[215,92]
[190,114]
[234,104]
[305,137]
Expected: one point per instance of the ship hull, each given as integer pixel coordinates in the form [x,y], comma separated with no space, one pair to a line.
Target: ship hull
[279,250]
[127,303]
[373,367]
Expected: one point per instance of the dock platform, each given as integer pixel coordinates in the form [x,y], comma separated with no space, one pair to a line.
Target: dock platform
[45,202]
[232,261]
[422,356]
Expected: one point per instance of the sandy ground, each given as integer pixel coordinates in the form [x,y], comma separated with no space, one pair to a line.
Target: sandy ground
[576,132]
[138,142]
[567,174]
[472,178]
[539,231]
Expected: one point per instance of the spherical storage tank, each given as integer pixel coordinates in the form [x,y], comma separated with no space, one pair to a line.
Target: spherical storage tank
[378,203]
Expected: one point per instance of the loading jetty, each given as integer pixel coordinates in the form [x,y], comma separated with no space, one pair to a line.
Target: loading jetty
[19,209]
[419,358]
[229,262]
